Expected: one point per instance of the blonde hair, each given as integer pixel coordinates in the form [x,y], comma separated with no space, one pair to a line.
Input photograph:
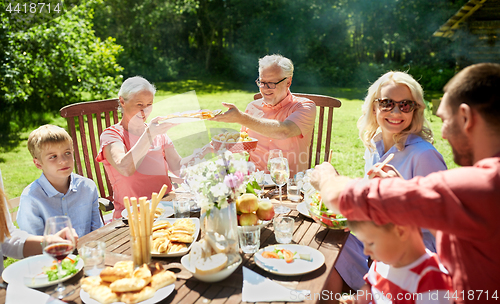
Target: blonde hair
[4,229]
[367,123]
[47,134]
[284,63]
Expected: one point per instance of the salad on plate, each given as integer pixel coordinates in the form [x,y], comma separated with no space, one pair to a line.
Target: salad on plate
[68,267]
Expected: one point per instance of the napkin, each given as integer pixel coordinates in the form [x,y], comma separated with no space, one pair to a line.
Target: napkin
[19,293]
[257,288]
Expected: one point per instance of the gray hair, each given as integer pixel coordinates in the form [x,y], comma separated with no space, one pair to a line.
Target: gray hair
[284,63]
[134,85]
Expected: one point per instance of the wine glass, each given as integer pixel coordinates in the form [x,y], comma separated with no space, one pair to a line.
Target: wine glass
[274,153]
[260,179]
[280,174]
[58,242]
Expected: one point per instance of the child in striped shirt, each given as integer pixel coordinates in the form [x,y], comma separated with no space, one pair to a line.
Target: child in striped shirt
[403,271]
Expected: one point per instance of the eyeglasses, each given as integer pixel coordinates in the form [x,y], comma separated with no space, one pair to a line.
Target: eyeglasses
[270,85]
[405,106]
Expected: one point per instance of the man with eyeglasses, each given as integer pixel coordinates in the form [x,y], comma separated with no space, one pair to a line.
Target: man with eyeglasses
[279,120]
[462,204]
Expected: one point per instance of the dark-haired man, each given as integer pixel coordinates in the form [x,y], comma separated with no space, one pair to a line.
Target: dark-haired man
[462,204]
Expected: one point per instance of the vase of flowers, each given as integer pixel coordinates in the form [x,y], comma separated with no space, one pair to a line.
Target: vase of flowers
[218,183]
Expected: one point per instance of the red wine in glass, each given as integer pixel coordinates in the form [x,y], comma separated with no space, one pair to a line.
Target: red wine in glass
[58,242]
[59,251]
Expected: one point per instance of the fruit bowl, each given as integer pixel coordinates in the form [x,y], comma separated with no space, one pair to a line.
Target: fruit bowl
[235,147]
[214,277]
[326,217]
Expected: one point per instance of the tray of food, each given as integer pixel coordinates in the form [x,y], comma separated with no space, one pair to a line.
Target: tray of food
[234,142]
[174,237]
[122,284]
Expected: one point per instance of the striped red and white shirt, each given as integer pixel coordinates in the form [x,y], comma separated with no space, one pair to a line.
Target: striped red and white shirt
[423,281]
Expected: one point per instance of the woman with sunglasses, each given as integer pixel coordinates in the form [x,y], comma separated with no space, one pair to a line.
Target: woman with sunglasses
[392,122]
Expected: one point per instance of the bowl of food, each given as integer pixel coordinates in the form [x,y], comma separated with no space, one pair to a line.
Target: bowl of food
[213,269]
[234,142]
[322,215]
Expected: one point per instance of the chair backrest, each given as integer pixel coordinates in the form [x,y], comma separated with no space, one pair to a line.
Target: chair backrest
[82,119]
[322,102]
[13,205]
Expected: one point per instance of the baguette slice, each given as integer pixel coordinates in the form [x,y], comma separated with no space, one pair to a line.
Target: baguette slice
[212,264]
[103,294]
[218,242]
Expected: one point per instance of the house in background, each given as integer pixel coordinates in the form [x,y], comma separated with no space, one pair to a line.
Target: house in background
[475,31]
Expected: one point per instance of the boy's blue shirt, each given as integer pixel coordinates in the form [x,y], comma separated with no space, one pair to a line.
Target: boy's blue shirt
[40,200]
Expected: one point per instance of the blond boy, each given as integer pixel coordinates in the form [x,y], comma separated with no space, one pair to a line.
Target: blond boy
[58,191]
[403,271]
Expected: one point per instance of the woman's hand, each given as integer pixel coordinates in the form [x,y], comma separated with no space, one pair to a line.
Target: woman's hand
[383,172]
[155,128]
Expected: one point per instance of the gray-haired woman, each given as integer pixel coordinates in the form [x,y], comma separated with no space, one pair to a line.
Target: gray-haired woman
[138,156]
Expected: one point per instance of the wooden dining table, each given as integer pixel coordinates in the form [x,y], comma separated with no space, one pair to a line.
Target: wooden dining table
[190,290]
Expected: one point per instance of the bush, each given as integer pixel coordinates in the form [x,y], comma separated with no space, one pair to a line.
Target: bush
[48,66]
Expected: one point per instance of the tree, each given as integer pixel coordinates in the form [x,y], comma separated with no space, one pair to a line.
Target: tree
[51,65]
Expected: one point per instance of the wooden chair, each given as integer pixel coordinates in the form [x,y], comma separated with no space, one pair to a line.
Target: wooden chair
[322,103]
[13,206]
[85,123]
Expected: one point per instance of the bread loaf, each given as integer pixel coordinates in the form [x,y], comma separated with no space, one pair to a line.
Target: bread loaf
[111,274]
[136,297]
[212,264]
[128,285]
[103,294]
[162,279]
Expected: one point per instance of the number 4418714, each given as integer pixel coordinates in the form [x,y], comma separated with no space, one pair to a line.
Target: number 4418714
[32,8]
[472,295]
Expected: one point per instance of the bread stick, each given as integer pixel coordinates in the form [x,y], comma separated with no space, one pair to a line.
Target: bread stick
[154,203]
[154,197]
[162,192]
[142,227]
[127,206]
[135,222]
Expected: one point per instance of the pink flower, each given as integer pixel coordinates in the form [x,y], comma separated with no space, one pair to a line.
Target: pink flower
[233,181]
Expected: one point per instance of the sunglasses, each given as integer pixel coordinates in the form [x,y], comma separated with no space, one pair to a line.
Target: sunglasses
[405,106]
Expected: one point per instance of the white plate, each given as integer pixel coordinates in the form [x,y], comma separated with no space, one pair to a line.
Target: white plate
[297,267]
[31,267]
[180,119]
[214,277]
[166,205]
[302,209]
[196,221]
[160,294]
